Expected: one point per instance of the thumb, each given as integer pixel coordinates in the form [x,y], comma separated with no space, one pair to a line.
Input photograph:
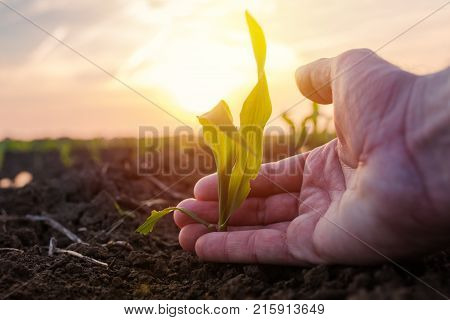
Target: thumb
[314,81]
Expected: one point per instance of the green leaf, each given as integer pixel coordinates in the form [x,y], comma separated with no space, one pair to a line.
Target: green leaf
[258,41]
[289,121]
[254,115]
[221,136]
[155,216]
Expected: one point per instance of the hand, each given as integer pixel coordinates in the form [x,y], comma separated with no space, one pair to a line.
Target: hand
[381,189]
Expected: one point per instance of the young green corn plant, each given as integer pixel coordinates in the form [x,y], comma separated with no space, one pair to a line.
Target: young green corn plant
[299,136]
[308,134]
[237,152]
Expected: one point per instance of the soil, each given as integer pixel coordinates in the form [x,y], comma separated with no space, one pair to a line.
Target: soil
[154,267]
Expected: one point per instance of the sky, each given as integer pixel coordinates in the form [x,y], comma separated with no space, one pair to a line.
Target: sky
[184,56]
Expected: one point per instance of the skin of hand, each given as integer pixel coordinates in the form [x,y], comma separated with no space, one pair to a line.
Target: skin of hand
[381,189]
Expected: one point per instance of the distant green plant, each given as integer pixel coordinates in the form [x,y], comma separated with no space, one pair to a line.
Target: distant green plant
[94,146]
[2,153]
[64,147]
[308,134]
[65,154]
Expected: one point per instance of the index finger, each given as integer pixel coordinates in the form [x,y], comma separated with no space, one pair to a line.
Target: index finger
[273,178]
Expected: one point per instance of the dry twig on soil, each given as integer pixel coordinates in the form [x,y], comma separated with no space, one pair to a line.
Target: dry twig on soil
[115,225]
[46,219]
[52,248]
[11,249]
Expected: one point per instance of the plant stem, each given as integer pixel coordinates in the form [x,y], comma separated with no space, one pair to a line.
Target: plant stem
[195,217]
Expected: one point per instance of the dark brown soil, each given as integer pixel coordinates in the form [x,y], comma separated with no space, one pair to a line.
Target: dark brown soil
[155,267]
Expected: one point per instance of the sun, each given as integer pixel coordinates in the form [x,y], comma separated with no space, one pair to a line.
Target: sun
[199,89]
[195,73]
[200,74]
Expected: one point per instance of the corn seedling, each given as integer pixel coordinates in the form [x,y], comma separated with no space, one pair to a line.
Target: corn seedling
[237,152]
[308,132]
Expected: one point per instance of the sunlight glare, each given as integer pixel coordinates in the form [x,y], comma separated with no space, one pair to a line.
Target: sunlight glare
[197,73]
[194,68]
[206,74]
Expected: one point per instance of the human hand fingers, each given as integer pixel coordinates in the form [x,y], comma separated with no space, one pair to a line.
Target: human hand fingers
[254,211]
[275,177]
